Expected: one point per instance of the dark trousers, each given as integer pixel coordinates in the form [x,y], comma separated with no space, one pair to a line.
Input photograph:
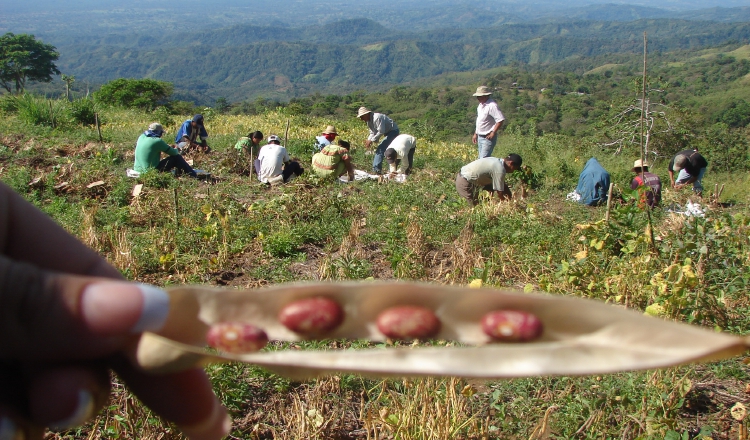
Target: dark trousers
[410,156]
[292,168]
[176,162]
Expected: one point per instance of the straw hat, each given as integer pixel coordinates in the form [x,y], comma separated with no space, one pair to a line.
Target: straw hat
[482,91]
[638,164]
[330,130]
[362,111]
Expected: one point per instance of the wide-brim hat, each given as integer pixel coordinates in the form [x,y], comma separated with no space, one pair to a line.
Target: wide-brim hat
[482,91]
[156,127]
[330,130]
[362,111]
[638,164]
[680,162]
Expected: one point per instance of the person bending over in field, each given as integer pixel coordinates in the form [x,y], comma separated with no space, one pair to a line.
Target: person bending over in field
[487,173]
[148,151]
[194,130]
[690,167]
[250,144]
[334,160]
[274,164]
[400,155]
[380,125]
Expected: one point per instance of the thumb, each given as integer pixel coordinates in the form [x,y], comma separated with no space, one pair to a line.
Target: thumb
[52,316]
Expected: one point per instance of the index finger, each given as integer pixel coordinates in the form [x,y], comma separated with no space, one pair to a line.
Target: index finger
[29,235]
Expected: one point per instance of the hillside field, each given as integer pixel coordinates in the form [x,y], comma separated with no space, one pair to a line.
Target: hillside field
[237,233]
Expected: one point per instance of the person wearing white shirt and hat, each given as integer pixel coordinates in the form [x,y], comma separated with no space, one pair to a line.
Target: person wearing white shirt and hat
[489,121]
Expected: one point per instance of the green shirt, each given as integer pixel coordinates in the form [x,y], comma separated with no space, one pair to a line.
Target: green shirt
[246,144]
[148,152]
[330,160]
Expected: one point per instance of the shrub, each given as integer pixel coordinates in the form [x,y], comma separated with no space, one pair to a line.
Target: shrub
[83,111]
[36,110]
[8,104]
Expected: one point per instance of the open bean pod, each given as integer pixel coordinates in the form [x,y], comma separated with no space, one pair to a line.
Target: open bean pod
[578,337]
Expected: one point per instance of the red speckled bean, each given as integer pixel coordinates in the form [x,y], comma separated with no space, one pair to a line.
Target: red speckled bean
[235,337]
[311,316]
[408,322]
[511,326]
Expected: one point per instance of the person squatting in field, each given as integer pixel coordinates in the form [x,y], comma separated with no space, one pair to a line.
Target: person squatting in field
[690,167]
[148,151]
[487,173]
[652,183]
[194,130]
[274,163]
[334,160]
[489,121]
[250,144]
[380,125]
[400,154]
[326,137]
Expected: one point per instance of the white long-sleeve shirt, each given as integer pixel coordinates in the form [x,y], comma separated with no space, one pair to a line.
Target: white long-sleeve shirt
[488,114]
[380,125]
[402,144]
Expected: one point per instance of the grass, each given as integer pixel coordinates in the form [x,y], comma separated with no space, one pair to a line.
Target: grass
[240,234]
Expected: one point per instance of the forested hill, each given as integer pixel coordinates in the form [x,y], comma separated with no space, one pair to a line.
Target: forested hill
[243,61]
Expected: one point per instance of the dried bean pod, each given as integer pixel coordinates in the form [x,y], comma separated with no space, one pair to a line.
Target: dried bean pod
[312,316]
[511,326]
[235,337]
[408,322]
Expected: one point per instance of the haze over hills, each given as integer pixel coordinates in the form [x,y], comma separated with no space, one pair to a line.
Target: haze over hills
[87,17]
[286,48]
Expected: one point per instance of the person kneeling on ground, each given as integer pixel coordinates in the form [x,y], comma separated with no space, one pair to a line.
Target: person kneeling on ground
[148,151]
[649,180]
[334,160]
[690,167]
[593,184]
[400,154]
[250,144]
[487,173]
[271,158]
[194,130]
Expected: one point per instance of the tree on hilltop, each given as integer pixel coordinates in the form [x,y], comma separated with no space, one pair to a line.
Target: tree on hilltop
[24,58]
[145,94]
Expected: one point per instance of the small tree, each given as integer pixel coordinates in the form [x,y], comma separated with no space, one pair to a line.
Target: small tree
[23,58]
[145,94]
[68,80]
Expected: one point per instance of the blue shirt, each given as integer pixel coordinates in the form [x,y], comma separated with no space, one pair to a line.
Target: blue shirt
[187,129]
[593,184]
[320,142]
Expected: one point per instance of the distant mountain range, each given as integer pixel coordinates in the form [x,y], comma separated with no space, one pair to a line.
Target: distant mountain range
[229,48]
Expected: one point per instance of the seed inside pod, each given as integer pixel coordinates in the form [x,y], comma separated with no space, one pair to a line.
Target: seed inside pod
[311,316]
[408,322]
[511,326]
[236,337]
